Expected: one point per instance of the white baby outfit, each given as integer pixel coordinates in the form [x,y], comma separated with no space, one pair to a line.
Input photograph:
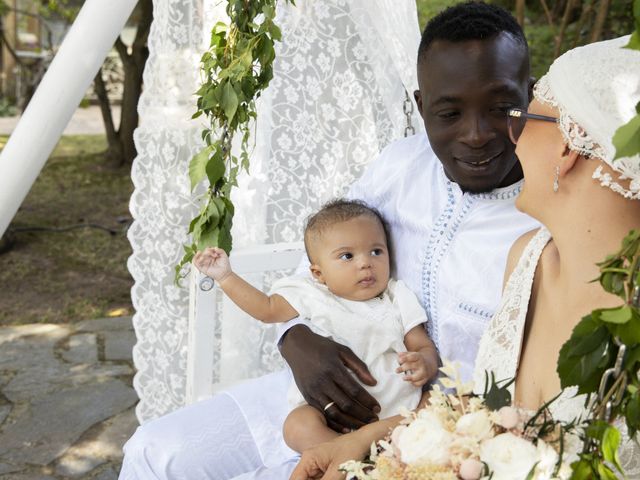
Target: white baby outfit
[374,330]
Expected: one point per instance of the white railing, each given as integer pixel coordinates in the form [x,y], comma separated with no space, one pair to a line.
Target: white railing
[83,50]
[203,309]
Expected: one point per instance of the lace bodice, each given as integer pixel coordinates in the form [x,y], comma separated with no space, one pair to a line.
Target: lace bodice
[500,347]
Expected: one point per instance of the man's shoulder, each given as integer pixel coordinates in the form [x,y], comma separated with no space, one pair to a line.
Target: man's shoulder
[409,149]
[402,157]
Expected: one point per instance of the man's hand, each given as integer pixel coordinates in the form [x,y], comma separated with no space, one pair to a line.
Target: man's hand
[416,368]
[319,366]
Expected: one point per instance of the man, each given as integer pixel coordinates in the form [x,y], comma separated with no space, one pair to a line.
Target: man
[449,204]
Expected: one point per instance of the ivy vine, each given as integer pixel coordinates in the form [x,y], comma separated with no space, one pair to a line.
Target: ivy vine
[235,69]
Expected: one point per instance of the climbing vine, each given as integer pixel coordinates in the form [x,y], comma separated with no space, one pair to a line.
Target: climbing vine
[235,70]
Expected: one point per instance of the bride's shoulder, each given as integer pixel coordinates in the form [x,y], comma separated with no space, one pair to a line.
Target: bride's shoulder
[516,251]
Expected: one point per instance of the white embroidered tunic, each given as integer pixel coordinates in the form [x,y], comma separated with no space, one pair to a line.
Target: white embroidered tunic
[449,247]
[373,329]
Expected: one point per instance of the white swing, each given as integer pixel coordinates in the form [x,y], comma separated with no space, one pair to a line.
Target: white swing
[340,81]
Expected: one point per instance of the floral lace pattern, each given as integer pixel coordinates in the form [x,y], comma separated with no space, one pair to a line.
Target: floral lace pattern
[500,347]
[336,99]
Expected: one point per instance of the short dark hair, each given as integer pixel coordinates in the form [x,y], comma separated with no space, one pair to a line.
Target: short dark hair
[470,21]
[338,211]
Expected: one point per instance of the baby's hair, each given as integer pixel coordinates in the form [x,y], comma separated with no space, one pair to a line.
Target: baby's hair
[337,211]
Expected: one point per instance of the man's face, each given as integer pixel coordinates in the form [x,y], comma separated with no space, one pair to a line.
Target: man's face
[465,90]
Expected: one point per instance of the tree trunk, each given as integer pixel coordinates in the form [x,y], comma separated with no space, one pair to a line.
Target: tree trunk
[122,148]
[601,17]
[520,6]
[114,152]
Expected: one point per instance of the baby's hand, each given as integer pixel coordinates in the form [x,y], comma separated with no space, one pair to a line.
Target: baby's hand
[415,368]
[213,262]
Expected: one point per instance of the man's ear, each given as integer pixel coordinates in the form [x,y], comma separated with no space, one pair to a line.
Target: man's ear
[417,96]
[317,274]
[568,160]
[532,83]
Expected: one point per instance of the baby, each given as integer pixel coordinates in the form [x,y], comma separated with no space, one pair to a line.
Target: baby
[349,298]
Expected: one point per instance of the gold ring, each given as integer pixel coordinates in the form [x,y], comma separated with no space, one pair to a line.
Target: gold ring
[328,406]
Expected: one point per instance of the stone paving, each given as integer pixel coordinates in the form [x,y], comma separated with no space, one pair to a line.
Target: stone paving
[66,399]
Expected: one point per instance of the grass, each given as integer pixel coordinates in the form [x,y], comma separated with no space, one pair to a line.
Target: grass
[57,277]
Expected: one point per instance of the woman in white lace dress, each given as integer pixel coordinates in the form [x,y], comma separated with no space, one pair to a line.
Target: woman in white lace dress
[587,203]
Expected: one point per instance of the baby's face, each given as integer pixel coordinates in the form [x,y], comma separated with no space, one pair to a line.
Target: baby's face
[352,259]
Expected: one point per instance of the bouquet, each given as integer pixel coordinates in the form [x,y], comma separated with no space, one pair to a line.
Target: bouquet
[462,436]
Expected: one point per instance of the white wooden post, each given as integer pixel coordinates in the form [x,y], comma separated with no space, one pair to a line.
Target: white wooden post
[203,309]
[83,50]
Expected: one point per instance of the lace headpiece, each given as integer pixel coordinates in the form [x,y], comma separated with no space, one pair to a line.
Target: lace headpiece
[596,89]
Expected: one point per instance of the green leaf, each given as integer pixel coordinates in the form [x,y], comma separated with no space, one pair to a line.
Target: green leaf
[629,332]
[581,470]
[229,101]
[586,336]
[632,413]
[633,357]
[596,429]
[605,473]
[209,238]
[496,396]
[198,165]
[610,444]
[583,357]
[627,139]
[634,41]
[616,315]
[215,168]
[225,240]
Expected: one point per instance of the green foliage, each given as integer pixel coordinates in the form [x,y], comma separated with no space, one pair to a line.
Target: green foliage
[7,109]
[237,67]
[627,137]
[602,358]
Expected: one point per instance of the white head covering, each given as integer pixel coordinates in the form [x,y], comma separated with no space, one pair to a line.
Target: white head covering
[596,89]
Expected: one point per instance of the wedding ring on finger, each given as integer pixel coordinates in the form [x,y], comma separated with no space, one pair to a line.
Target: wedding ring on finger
[408,372]
[328,406]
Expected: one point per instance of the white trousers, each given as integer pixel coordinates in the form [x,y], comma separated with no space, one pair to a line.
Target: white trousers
[234,435]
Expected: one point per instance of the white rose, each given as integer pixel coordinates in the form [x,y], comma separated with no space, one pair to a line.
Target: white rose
[424,440]
[547,459]
[509,457]
[477,425]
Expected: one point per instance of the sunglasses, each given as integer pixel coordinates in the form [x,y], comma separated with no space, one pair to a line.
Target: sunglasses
[516,120]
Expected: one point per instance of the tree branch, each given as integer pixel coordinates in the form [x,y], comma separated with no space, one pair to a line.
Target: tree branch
[563,27]
[548,14]
[601,17]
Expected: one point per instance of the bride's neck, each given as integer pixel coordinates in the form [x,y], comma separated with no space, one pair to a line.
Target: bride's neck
[585,230]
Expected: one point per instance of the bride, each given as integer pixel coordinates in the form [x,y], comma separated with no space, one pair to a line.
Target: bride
[587,203]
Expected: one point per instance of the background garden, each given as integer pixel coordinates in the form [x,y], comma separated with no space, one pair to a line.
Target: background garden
[64,256]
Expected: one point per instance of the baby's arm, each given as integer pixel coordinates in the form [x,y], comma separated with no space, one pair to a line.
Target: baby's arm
[420,363]
[214,262]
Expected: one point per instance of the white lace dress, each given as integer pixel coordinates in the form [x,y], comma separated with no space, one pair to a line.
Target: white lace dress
[500,346]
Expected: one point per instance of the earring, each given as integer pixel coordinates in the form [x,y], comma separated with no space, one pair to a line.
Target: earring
[556,180]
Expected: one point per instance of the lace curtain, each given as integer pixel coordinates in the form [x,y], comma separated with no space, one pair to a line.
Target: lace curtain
[336,99]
